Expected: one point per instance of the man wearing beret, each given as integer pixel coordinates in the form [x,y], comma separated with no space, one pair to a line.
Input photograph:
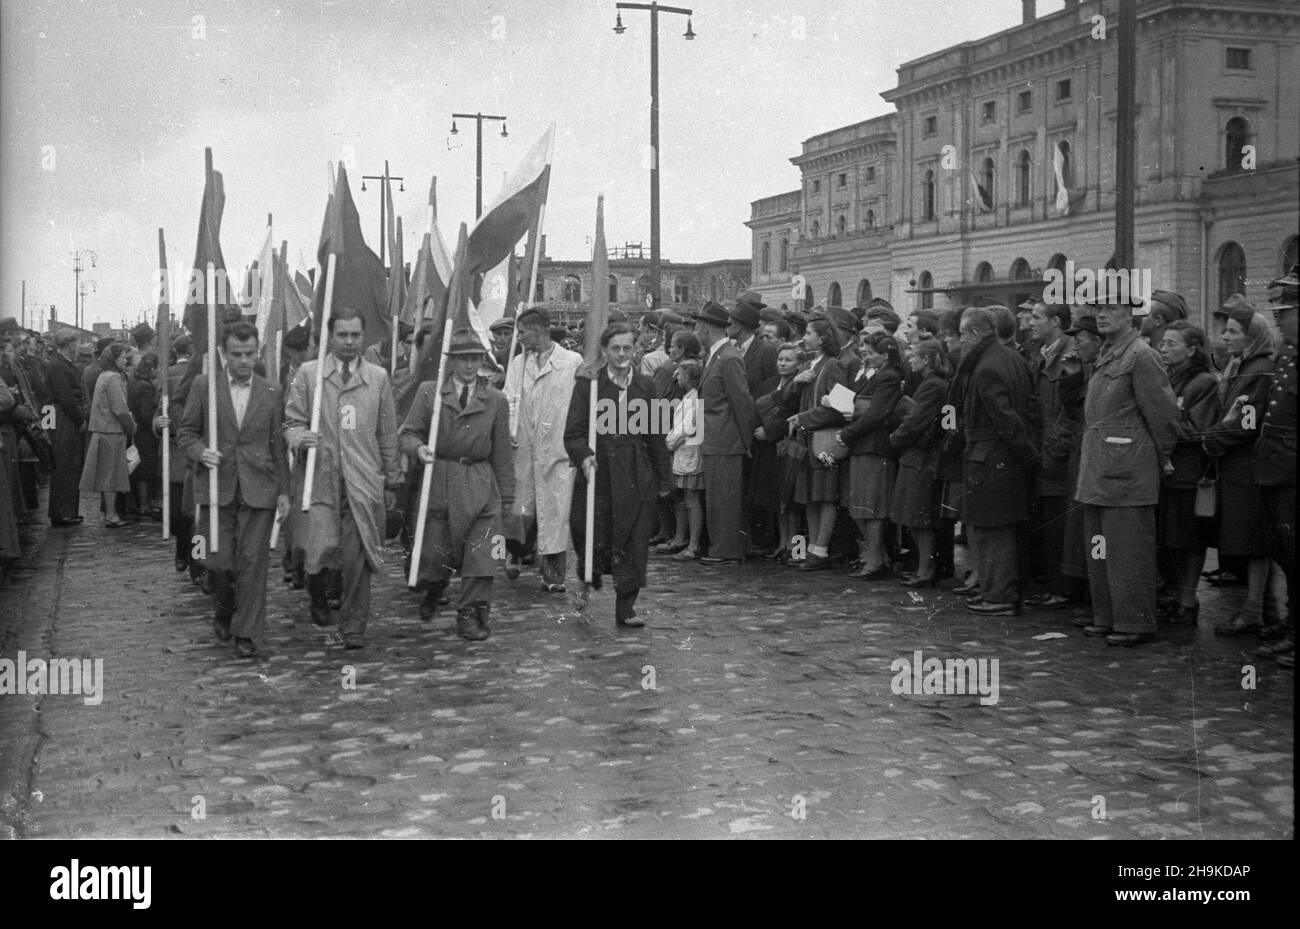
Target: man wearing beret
[729,423]
[1275,461]
[1131,427]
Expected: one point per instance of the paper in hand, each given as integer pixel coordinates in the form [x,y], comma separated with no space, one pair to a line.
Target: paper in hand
[841,399]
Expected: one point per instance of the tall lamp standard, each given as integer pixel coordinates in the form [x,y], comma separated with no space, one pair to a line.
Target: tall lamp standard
[386,183]
[478,156]
[84,284]
[78,292]
[655,9]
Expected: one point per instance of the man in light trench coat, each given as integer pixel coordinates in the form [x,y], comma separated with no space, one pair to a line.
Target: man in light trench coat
[539,391]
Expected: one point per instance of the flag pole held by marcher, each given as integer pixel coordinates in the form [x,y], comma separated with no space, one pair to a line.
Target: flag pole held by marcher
[213,488]
[164,356]
[426,480]
[323,338]
[591,351]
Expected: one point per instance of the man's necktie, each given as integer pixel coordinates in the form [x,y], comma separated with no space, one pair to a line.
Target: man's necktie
[464,396]
[346,373]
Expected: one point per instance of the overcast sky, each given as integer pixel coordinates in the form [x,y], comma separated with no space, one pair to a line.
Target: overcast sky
[105,109]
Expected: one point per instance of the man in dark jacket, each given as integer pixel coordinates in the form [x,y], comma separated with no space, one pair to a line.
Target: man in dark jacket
[64,384]
[1000,455]
[1131,429]
[760,372]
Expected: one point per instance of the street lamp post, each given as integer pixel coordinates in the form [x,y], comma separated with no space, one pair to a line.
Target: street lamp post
[82,294]
[478,157]
[386,181]
[655,9]
[79,292]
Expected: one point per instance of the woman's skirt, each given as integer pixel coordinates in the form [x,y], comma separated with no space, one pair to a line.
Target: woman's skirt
[1178,526]
[105,468]
[818,484]
[689,481]
[871,486]
[917,498]
[1243,521]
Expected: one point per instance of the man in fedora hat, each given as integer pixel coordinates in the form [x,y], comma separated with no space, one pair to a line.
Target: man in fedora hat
[760,376]
[729,423]
[1275,461]
[473,483]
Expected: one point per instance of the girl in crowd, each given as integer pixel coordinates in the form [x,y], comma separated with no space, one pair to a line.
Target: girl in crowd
[878,386]
[1179,530]
[110,426]
[688,467]
[818,483]
[774,410]
[918,492]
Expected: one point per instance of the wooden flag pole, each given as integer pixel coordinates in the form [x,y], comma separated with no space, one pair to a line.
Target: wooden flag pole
[164,353]
[213,481]
[426,482]
[323,350]
[590,547]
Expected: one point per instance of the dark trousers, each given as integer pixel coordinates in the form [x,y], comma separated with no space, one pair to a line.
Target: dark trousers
[1123,582]
[354,611]
[1047,544]
[65,480]
[1280,503]
[238,566]
[181,522]
[724,510]
[995,548]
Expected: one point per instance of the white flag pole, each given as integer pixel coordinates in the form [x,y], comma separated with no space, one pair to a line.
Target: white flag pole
[213,483]
[426,482]
[323,338]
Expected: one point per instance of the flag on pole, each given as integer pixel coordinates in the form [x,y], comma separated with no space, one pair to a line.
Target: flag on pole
[432,270]
[396,279]
[515,210]
[207,253]
[263,286]
[360,281]
[983,196]
[1068,198]
[599,317]
[456,306]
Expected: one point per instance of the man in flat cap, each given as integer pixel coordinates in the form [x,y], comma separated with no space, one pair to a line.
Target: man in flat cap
[1163,308]
[729,423]
[473,483]
[1131,427]
[1275,461]
[502,332]
[539,391]
[650,342]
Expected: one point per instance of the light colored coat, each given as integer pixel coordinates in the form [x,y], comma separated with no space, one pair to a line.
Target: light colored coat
[358,447]
[539,407]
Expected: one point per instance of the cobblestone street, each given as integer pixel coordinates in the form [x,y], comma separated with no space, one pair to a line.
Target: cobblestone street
[771,715]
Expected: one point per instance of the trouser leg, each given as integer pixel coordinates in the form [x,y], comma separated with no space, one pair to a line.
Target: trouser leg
[1098,582]
[998,567]
[252,560]
[1131,567]
[354,612]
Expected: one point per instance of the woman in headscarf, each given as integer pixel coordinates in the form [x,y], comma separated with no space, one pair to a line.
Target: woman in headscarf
[1178,529]
[1252,342]
[110,426]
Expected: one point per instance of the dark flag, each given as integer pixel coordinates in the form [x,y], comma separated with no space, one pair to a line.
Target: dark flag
[359,279]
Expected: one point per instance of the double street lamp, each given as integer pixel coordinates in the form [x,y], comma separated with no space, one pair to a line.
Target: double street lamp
[478,156]
[654,9]
[386,183]
[79,293]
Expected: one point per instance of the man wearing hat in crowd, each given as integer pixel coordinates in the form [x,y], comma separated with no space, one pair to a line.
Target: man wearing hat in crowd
[1131,427]
[1026,344]
[1275,460]
[503,332]
[539,391]
[729,423]
[846,326]
[473,482]
[760,376]
[1163,308]
[64,383]
[650,342]
[1078,363]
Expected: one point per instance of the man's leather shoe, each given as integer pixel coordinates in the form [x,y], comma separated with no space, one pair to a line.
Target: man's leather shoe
[1097,632]
[1129,639]
[671,547]
[1048,602]
[1237,625]
[429,605]
[815,563]
[245,648]
[919,582]
[1183,615]
[221,625]
[875,574]
[180,564]
[467,626]
[984,608]
[553,588]
[299,579]
[481,613]
[717,562]
[320,615]
[1271,631]
[971,586]
[70,521]
[354,640]
[512,568]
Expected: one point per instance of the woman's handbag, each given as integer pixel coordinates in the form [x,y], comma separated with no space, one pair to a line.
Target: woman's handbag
[132,459]
[825,443]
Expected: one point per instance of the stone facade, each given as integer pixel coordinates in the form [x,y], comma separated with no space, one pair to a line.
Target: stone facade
[955,196]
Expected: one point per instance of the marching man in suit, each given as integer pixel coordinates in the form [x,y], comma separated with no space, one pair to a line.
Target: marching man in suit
[253,484]
[729,423]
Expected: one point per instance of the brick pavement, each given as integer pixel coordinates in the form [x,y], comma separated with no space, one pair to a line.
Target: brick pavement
[771,687]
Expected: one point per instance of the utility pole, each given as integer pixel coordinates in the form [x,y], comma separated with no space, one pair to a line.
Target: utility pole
[1126,135]
[386,183]
[24,317]
[478,152]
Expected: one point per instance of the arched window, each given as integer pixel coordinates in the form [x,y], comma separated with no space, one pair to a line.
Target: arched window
[1020,270]
[816,229]
[984,273]
[926,282]
[841,225]
[871,219]
[987,175]
[541,290]
[1232,271]
[572,292]
[682,290]
[807,296]
[1022,178]
[864,292]
[927,196]
[613,288]
[785,255]
[834,296]
[1057,262]
[642,289]
[1238,137]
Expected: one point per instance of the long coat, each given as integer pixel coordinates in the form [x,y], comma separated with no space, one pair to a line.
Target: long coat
[876,396]
[1131,426]
[631,470]
[729,415]
[917,491]
[539,408]
[64,384]
[357,448]
[1196,392]
[1000,422]
[473,478]
[1050,372]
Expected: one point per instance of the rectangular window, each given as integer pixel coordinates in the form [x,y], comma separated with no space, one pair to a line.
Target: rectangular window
[931,125]
[990,111]
[844,180]
[1238,59]
[1025,102]
[871,173]
[817,187]
[1063,90]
